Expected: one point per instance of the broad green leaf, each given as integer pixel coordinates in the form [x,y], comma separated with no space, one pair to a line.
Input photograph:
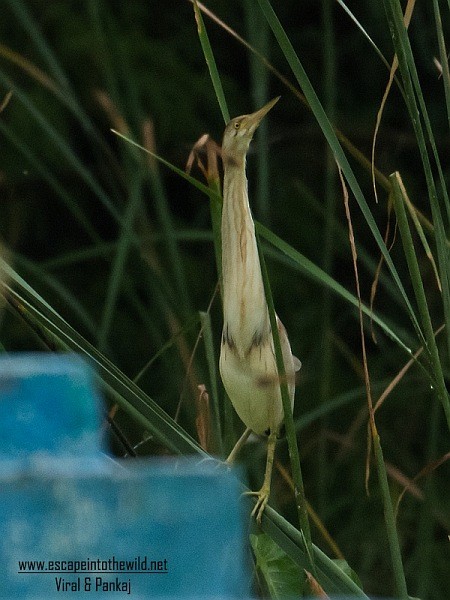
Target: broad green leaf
[282,577]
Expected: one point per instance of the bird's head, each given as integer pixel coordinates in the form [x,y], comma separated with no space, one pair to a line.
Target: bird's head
[239,132]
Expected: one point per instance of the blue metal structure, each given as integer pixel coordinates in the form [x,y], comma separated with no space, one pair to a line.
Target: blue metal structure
[76,524]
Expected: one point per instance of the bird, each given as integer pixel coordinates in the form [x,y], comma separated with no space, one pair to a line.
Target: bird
[247,361]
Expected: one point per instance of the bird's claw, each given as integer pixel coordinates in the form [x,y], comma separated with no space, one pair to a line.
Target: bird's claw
[262,498]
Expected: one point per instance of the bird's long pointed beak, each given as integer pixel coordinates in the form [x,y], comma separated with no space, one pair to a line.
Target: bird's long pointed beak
[252,121]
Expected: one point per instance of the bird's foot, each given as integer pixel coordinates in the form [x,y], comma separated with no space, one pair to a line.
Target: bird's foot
[241,441]
[262,497]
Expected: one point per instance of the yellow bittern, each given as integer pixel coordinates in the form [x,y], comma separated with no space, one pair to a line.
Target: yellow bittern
[247,358]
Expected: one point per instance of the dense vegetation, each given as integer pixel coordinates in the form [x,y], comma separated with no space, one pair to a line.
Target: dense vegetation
[122,247]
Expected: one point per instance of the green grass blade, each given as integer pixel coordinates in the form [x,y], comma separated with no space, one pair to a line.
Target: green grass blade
[389,517]
[119,264]
[101,48]
[329,248]
[211,360]
[443,55]
[341,159]
[365,33]
[28,22]
[258,35]
[300,498]
[210,61]
[170,241]
[215,209]
[416,278]
[420,232]
[426,524]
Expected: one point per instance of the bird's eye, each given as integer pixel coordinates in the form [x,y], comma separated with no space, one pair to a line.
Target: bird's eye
[237,125]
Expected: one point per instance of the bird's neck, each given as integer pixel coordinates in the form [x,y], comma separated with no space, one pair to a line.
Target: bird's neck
[246,319]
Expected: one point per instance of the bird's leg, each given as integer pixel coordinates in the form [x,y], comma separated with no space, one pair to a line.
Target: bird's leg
[241,441]
[264,492]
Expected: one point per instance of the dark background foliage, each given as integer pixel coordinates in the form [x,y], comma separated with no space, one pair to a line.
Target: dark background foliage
[142,61]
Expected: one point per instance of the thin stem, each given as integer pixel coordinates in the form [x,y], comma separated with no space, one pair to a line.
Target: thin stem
[394,544]
[299,489]
[389,517]
[329,244]
[258,33]
[419,291]
[210,61]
